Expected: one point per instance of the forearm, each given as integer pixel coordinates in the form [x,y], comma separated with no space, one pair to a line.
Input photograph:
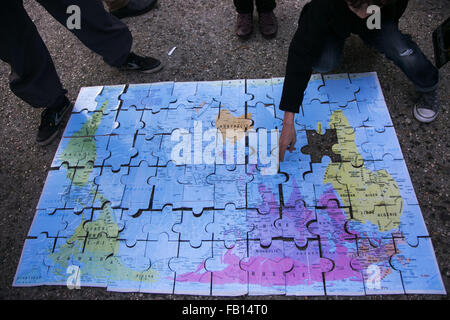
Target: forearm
[288,118]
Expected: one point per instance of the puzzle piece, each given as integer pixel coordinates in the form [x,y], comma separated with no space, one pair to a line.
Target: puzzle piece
[309,267]
[229,186]
[266,268]
[134,96]
[263,191]
[205,93]
[263,227]
[294,221]
[121,151]
[160,253]
[261,90]
[182,91]
[129,267]
[229,225]
[82,189]
[56,186]
[192,227]
[420,272]
[369,86]
[90,124]
[34,263]
[86,99]
[191,277]
[233,96]
[159,97]
[373,262]
[228,279]
[128,122]
[338,88]
[109,183]
[312,116]
[380,143]
[161,222]
[197,193]
[136,196]
[146,150]
[314,91]
[166,188]
[52,225]
[108,98]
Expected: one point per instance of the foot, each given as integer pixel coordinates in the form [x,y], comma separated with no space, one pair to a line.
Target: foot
[244,25]
[268,25]
[142,64]
[134,8]
[51,121]
[426,109]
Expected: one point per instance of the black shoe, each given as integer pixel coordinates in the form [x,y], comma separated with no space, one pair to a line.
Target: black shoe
[134,8]
[51,120]
[426,109]
[142,64]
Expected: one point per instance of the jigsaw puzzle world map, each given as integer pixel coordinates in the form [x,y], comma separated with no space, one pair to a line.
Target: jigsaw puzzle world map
[175,188]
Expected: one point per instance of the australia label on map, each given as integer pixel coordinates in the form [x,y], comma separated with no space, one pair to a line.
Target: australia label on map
[176,188]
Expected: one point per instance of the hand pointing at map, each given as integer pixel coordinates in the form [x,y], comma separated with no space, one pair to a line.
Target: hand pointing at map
[288,136]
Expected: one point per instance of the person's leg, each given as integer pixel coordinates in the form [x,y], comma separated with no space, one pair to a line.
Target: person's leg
[243,6]
[331,55]
[33,76]
[405,53]
[100,31]
[244,20]
[129,8]
[268,24]
[103,33]
[265,5]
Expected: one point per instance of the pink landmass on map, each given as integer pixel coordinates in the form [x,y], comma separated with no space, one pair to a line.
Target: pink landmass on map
[283,262]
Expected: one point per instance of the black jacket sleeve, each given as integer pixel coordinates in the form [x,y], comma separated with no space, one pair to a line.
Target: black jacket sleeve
[306,45]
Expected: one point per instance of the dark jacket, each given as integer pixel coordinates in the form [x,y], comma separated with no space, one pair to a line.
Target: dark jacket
[318,19]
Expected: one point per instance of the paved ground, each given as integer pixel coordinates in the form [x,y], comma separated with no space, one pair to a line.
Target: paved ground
[207,49]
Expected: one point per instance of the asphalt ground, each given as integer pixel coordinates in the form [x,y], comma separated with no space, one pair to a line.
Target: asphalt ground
[207,49]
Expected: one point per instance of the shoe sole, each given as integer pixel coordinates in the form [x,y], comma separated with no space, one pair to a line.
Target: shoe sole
[422,119]
[54,135]
[154,70]
[269,36]
[245,36]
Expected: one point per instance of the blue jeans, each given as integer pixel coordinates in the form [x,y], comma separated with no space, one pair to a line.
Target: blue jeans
[396,46]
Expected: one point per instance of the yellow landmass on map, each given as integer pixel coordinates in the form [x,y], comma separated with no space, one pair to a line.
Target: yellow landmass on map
[372,195]
[232,127]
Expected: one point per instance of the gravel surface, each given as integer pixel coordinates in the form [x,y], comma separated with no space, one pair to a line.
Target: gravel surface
[207,49]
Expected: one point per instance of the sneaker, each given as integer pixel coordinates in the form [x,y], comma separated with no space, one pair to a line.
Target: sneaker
[426,109]
[244,25]
[268,25]
[142,64]
[51,120]
[134,8]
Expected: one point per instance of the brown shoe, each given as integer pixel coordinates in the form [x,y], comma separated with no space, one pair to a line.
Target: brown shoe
[244,25]
[268,25]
